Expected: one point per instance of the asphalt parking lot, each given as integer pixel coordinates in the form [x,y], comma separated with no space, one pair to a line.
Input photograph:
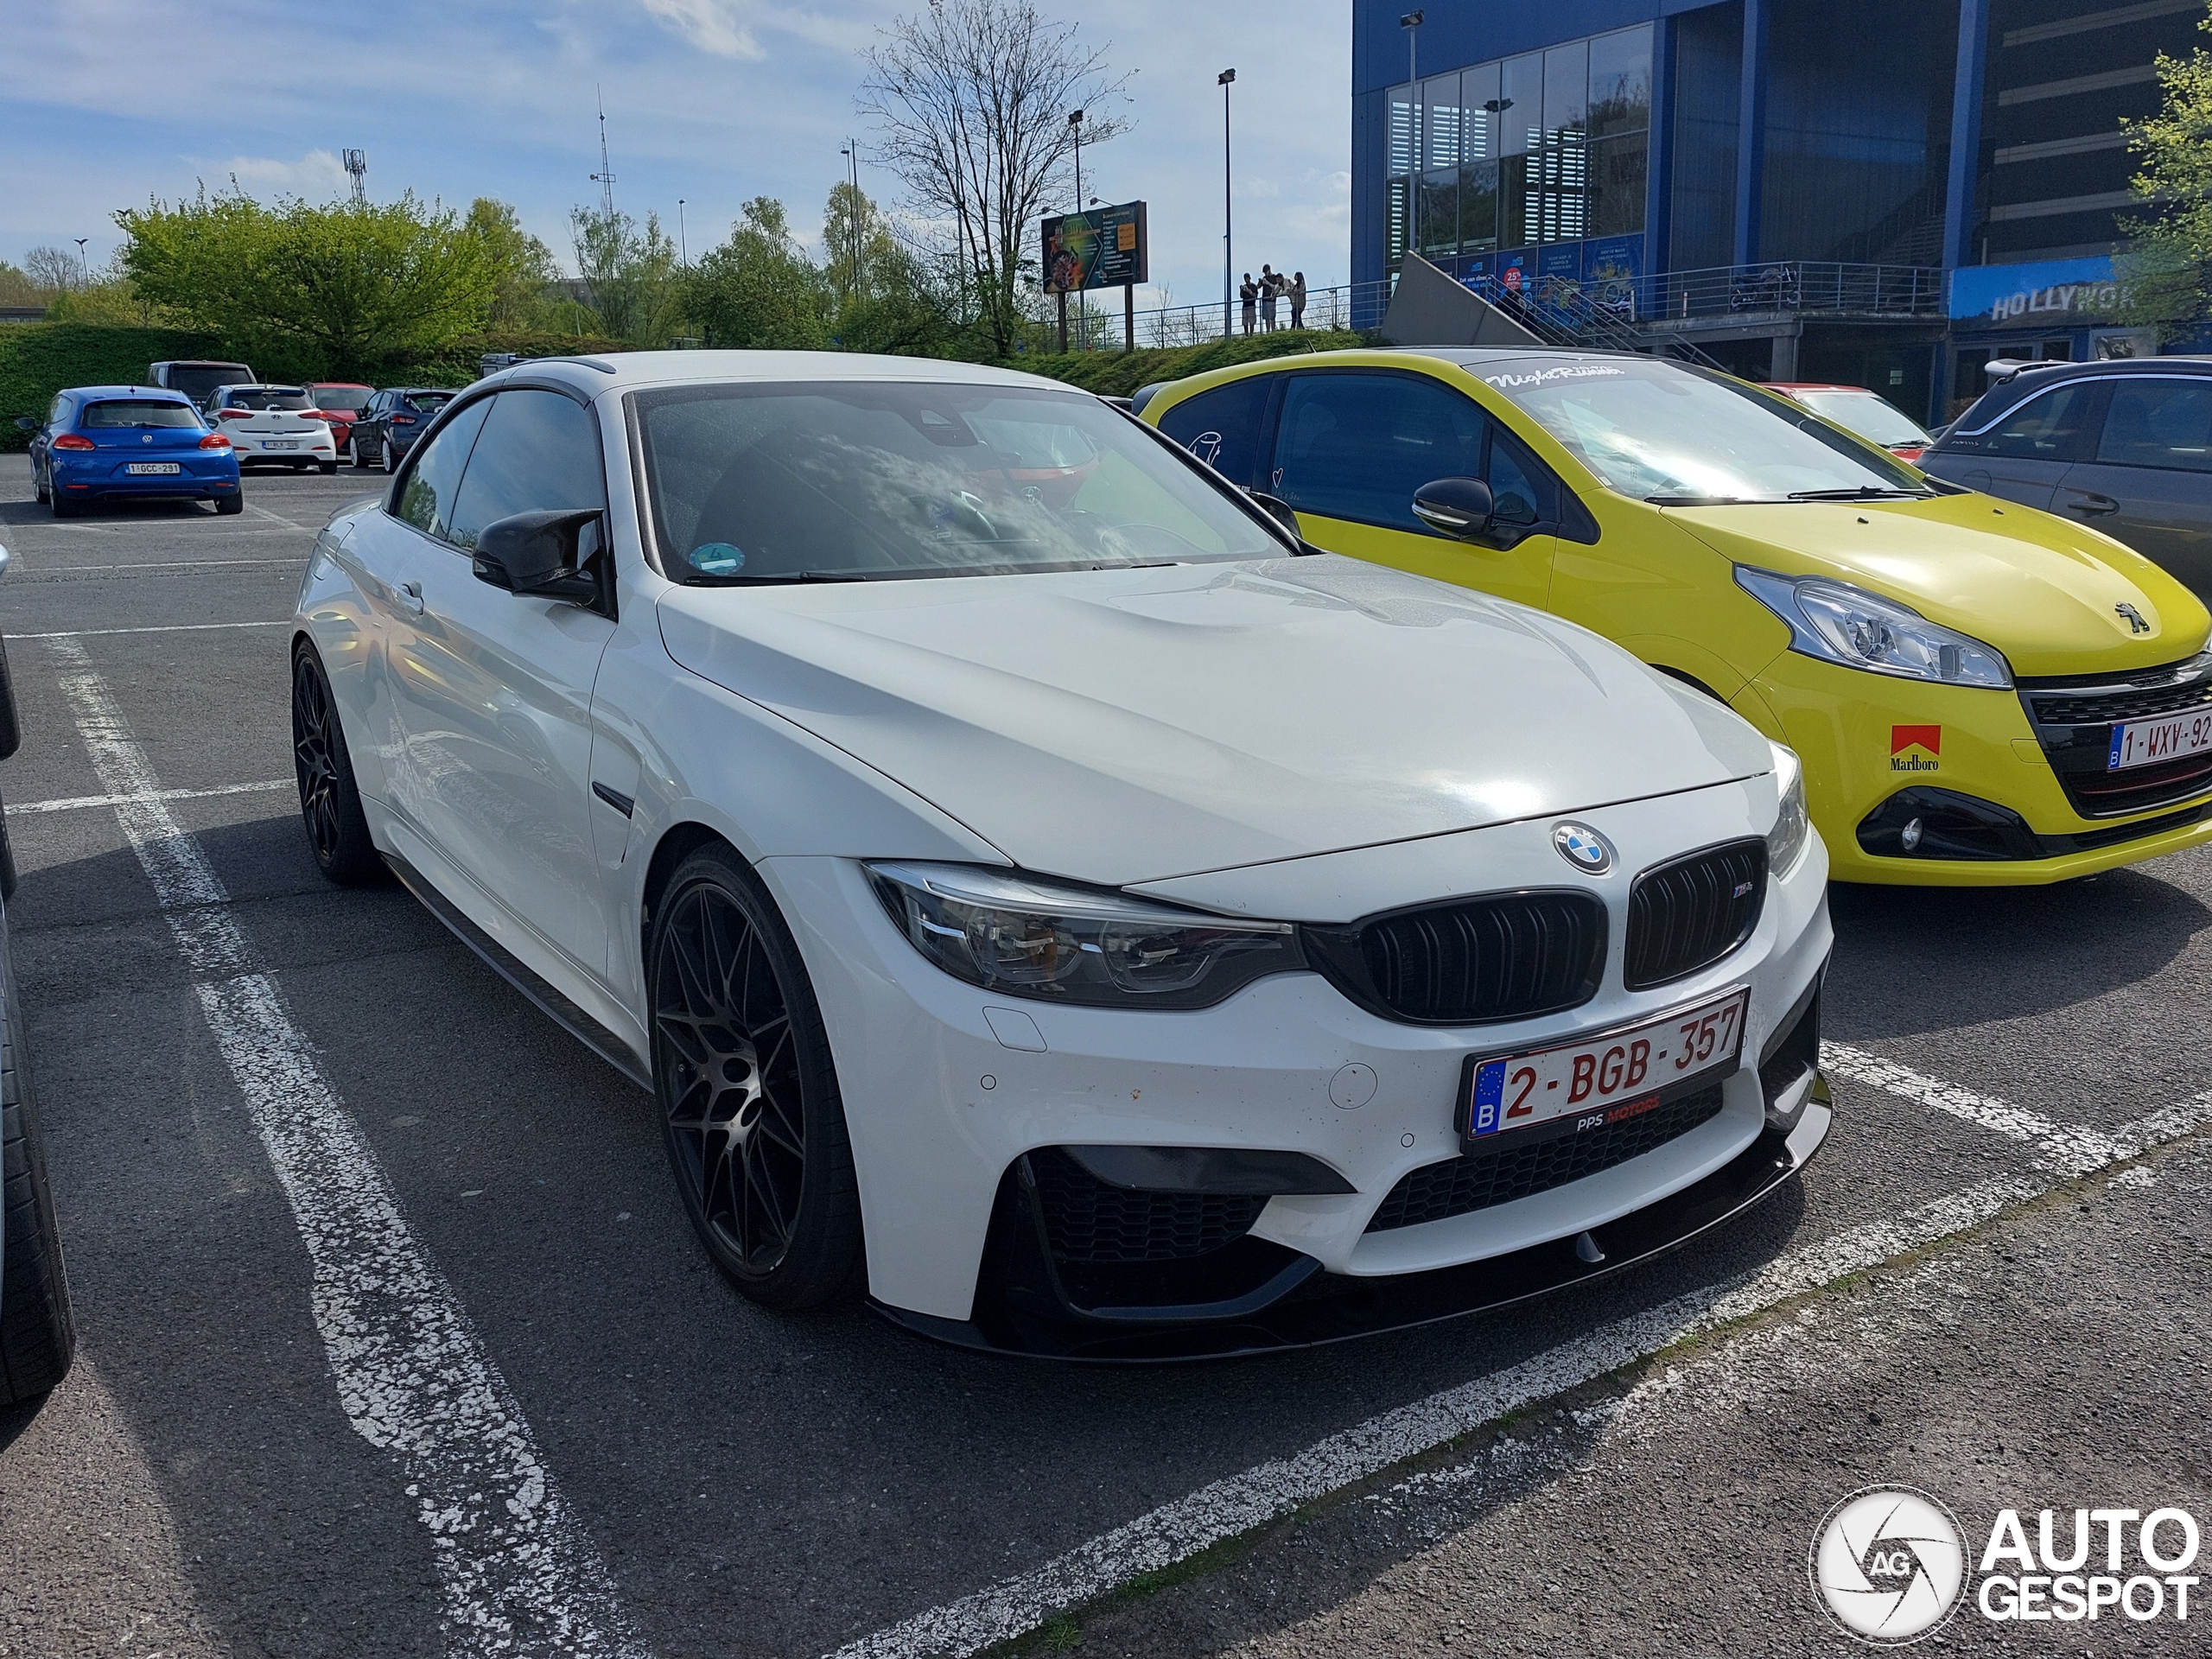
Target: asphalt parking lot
[1991,1283]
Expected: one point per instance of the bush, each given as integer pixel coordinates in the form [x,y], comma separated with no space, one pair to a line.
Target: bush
[1117,374]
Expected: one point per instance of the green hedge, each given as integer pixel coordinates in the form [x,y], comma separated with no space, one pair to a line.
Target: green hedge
[39,358]
[1117,374]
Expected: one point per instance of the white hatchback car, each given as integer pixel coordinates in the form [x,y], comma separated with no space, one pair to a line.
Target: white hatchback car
[1033,885]
[267,427]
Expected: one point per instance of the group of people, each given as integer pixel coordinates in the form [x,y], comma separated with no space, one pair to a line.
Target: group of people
[1260,299]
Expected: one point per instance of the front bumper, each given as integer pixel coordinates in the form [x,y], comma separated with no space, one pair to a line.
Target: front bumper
[1993,811]
[947,1097]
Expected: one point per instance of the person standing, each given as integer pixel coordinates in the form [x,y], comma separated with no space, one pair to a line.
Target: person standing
[1298,299]
[1248,292]
[1270,289]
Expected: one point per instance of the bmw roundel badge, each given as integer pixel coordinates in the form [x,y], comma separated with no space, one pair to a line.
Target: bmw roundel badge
[1583,847]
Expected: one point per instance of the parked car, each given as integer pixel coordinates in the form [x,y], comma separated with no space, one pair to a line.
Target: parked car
[2122,446]
[197,379]
[339,402]
[1033,888]
[37,1336]
[109,442]
[1856,408]
[274,426]
[1980,695]
[393,419]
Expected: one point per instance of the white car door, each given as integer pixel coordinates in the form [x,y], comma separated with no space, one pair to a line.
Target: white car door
[494,689]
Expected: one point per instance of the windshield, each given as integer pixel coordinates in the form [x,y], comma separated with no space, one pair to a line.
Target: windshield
[1870,416]
[351,399]
[138,411]
[196,382]
[265,398]
[852,481]
[428,403]
[1680,436]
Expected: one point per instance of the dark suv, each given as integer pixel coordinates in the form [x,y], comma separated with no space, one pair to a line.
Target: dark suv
[2125,445]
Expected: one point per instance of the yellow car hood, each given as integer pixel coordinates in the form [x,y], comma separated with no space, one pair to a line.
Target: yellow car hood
[2045,592]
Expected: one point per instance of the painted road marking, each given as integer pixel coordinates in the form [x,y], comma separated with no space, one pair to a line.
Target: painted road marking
[163,628]
[76,803]
[32,572]
[1177,1530]
[2065,1148]
[517,1576]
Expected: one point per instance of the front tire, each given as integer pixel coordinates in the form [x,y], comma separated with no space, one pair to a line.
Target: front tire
[330,804]
[37,1335]
[750,1111]
[38,486]
[360,458]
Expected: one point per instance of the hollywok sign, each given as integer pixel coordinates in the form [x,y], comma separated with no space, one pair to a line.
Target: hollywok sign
[2051,292]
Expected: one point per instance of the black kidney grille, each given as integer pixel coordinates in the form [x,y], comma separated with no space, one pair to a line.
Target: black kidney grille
[1504,956]
[1437,1192]
[1688,914]
[1088,1221]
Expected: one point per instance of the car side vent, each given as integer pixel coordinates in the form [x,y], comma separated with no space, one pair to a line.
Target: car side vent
[1505,955]
[1689,914]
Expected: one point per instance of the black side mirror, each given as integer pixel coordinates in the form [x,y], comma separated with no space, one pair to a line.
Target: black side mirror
[538,553]
[27,423]
[1459,507]
[1279,510]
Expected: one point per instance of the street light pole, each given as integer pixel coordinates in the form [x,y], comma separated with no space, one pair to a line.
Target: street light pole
[851,152]
[1411,23]
[1082,294]
[1228,246]
[85,259]
[683,241]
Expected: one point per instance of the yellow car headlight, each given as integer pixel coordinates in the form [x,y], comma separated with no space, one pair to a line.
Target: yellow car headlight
[1840,623]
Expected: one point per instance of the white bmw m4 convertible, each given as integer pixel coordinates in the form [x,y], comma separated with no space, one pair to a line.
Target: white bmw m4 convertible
[1039,892]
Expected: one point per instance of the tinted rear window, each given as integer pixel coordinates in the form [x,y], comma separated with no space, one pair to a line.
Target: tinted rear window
[352,399]
[265,398]
[196,382]
[138,412]
[430,403]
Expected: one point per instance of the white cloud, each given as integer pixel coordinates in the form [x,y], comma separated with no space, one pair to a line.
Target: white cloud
[711,25]
[315,175]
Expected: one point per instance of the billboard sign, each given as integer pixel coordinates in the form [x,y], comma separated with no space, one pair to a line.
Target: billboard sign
[1104,248]
[2052,293]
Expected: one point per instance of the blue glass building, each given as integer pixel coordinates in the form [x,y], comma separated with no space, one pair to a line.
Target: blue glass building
[1850,190]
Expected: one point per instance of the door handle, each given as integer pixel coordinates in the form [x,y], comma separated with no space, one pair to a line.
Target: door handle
[2091,506]
[411,598]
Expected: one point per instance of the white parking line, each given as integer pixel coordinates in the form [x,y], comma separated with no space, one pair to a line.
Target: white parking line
[78,803]
[1177,1531]
[2066,1148]
[516,1574]
[162,627]
[260,512]
[36,570]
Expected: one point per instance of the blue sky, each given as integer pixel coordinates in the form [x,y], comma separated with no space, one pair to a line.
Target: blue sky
[104,103]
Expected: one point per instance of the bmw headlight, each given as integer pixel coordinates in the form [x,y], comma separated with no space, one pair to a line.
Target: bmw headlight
[1793,826]
[1839,623]
[1016,936]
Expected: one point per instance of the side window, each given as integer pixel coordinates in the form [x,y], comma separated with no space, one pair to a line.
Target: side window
[1518,482]
[1222,427]
[538,452]
[2159,423]
[426,502]
[59,412]
[2042,428]
[1358,446]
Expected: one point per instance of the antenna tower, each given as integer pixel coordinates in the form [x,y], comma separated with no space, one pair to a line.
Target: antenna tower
[604,177]
[357,163]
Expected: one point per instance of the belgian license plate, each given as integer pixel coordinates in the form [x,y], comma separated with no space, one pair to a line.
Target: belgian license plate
[2146,742]
[138,468]
[1604,1079]
[281,443]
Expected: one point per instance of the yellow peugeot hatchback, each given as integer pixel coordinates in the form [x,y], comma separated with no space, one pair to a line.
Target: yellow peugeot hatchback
[1979,692]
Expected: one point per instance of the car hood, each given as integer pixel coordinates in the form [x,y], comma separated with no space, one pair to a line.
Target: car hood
[1126,725]
[2043,591]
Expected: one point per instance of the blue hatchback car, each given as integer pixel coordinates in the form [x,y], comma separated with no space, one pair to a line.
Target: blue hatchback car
[128,441]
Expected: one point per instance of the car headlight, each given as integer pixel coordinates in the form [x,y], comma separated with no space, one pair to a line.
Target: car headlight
[1016,936]
[1839,623]
[1793,826]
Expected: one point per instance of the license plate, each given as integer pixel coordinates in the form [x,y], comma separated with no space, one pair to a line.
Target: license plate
[2146,742]
[280,443]
[138,467]
[1604,1079]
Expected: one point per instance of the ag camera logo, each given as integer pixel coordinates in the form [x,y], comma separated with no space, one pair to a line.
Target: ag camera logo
[1889,1565]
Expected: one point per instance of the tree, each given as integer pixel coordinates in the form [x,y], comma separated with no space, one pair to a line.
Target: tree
[53,270]
[523,271]
[758,289]
[887,298]
[636,289]
[17,288]
[355,282]
[2165,275]
[971,99]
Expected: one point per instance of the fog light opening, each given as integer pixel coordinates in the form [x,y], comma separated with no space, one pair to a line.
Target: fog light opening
[1909,838]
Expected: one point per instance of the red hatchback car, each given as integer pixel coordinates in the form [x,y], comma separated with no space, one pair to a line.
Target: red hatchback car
[1855,409]
[338,402]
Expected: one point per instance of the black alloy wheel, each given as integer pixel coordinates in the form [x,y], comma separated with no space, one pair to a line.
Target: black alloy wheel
[338,833]
[749,1105]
